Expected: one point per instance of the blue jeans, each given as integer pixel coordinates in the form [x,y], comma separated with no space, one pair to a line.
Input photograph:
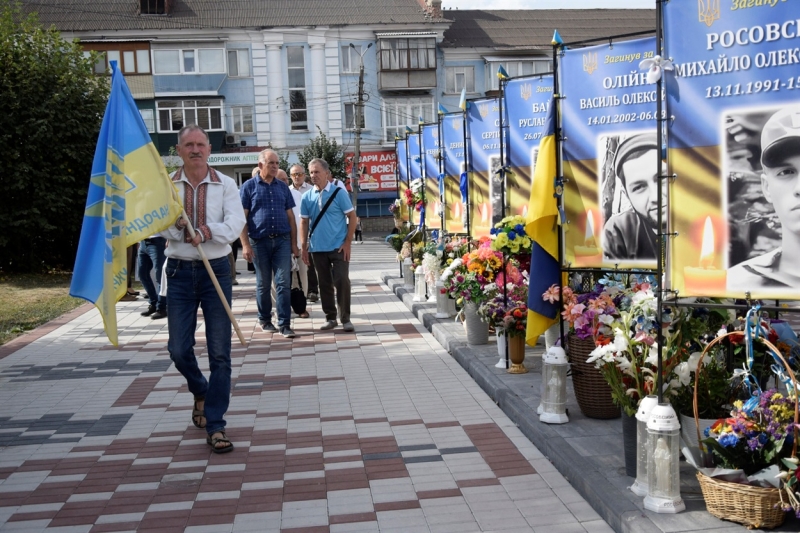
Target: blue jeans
[189,287]
[151,255]
[273,256]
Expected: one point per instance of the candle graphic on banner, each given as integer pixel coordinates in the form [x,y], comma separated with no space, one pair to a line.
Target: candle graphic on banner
[705,279]
[589,254]
[484,213]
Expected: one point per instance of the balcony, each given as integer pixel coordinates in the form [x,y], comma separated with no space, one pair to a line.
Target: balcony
[406,62]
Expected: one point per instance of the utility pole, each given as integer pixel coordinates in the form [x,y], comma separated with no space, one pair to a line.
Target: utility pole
[359,114]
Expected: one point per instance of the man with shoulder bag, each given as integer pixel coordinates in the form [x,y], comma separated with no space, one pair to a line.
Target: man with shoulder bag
[326,239]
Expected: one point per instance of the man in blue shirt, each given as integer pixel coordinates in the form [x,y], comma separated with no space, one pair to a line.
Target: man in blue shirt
[329,243]
[269,239]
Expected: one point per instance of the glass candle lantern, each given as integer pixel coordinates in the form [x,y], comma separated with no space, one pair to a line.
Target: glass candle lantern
[663,455]
[639,486]
[554,387]
[408,273]
[442,301]
[419,285]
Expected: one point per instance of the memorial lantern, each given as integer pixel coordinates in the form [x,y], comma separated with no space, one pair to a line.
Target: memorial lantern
[646,406]
[408,273]
[554,387]
[445,306]
[663,458]
[419,285]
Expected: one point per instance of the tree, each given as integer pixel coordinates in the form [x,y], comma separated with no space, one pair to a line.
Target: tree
[51,107]
[327,149]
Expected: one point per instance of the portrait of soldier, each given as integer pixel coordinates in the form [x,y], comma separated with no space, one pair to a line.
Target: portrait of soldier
[631,228]
[780,185]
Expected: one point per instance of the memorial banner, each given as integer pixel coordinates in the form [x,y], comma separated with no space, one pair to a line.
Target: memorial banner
[485,189]
[453,151]
[430,167]
[402,176]
[527,101]
[734,145]
[609,155]
[414,168]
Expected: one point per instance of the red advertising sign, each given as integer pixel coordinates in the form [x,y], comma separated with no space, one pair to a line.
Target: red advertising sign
[377,171]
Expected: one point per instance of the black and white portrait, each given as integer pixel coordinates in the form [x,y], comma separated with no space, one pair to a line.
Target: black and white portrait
[628,195]
[496,185]
[761,167]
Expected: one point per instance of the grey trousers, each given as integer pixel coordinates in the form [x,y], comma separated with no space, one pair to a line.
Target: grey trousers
[333,272]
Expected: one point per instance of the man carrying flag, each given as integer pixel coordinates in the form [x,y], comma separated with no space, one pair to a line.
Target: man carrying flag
[211,202]
[542,227]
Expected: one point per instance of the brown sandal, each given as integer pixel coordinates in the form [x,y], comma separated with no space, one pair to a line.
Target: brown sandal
[198,415]
[214,441]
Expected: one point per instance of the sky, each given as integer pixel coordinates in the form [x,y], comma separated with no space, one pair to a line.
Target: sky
[546,4]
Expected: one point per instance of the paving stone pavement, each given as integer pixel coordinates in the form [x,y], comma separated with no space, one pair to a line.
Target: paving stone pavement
[376,430]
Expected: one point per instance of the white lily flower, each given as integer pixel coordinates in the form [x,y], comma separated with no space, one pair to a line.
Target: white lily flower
[606,319]
[683,372]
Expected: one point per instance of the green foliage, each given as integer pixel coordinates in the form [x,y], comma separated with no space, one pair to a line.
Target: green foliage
[51,106]
[283,161]
[326,149]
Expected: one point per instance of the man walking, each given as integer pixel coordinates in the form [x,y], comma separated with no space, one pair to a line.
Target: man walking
[269,240]
[151,256]
[328,241]
[211,202]
[308,275]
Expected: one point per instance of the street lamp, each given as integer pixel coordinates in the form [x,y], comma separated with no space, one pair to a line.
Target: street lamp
[359,113]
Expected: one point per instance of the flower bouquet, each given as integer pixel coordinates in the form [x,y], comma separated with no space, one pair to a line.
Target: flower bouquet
[413,194]
[467,276]
[626,352]
[394,208]
[756,435]
[509,237]
[494,310]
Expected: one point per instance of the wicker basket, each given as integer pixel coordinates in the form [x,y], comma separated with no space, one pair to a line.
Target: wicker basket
[591,390]
[755,507]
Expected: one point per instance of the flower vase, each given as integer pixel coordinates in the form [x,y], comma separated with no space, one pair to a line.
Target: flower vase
[501,348]
[516,354]
[629,444]
[689,429]
[477,329]
[591,390]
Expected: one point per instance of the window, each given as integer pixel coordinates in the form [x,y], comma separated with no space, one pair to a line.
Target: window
[175,114]
[153,7]
[408,54]
[457,78]
[351,61]
[242,119]
[189,61]
[350,117]
[149,119]
[515,68]
[402,112]
[131,58]
[238,64]
[297,87]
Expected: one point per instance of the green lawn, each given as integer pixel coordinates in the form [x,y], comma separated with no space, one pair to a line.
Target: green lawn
[30,300]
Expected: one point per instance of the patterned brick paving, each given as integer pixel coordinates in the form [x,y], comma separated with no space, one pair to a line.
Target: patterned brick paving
[377,430]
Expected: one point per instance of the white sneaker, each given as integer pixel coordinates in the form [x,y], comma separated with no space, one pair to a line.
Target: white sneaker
[348,326]
[330,324]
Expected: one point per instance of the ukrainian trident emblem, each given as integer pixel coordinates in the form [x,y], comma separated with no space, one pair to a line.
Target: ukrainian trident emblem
[590,62]
[525,91]
[708,11]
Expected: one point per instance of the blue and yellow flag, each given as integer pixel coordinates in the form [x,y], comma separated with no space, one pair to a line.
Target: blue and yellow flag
[130,198]
[442,110]
[542,227]
[462,102]
[501,73]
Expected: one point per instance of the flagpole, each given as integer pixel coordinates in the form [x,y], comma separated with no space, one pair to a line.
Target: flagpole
[210,271]
[559,176]
[466,169]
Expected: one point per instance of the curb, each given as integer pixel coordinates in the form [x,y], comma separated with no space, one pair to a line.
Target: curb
[607,500]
